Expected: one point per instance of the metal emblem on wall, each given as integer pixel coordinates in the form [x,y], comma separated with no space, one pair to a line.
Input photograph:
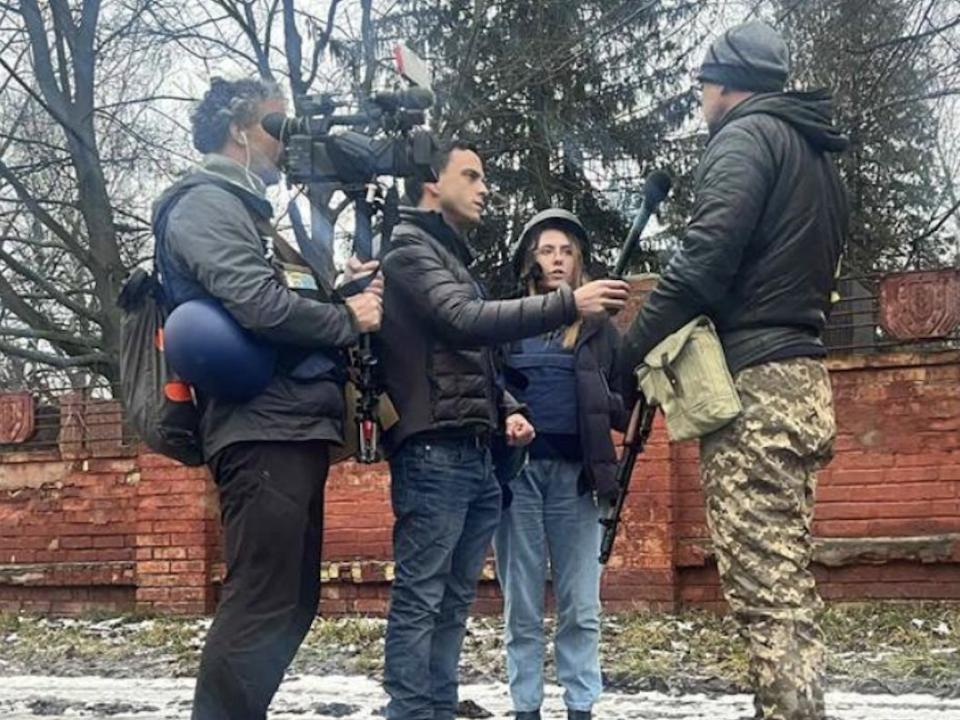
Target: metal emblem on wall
[16,417]
[920,305]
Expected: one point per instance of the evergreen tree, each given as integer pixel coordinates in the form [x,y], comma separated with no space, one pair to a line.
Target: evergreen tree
[569,103]
[864,52]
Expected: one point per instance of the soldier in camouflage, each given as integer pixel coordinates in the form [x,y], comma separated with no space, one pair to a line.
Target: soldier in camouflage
[759,477]
[758,257]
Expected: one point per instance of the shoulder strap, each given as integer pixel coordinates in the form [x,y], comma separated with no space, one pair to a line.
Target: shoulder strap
[160,222]
[163,216]
[288,254]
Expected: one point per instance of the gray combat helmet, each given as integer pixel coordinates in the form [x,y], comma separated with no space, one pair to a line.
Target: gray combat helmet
[555,217]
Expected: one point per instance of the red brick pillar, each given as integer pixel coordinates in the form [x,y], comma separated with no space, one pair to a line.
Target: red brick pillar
[177,531]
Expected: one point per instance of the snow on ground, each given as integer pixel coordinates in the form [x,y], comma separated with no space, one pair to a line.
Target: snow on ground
[311,697]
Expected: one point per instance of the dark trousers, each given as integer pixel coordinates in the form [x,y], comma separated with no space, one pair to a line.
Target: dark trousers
[271,504]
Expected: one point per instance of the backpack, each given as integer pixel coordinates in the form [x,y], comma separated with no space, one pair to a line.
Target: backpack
[159,405]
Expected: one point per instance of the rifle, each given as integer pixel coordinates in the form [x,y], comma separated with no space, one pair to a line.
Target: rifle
[641,417]
[635,439]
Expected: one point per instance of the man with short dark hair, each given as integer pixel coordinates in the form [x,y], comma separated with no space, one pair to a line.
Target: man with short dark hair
[269,454]
[758,257]
[437,360]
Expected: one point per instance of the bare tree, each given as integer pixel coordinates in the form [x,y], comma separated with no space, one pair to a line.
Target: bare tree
[91,122]
[77,140]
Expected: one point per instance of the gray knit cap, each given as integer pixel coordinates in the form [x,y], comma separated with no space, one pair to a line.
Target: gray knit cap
[751,56]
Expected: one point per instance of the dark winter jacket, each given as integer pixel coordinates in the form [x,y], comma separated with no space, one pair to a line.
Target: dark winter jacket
[438,334]
[599,404]
[212,247]
[760,252]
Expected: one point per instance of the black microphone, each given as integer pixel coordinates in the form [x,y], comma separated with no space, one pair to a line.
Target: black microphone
[282,127]
[413,98]
[655,189]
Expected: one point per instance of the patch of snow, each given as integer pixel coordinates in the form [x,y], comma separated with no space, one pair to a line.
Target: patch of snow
[311,697]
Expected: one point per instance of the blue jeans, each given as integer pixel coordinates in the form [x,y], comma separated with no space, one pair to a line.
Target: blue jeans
[446,502]
[548,515]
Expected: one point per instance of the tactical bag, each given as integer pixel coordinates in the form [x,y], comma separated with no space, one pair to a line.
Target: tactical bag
[687,376]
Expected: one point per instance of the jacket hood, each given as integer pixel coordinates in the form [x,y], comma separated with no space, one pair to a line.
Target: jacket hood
[222,172]
[811,113]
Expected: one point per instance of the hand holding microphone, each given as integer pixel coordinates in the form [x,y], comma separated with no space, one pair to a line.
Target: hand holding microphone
[601,296]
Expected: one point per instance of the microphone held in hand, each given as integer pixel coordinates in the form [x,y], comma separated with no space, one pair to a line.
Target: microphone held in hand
[655,189]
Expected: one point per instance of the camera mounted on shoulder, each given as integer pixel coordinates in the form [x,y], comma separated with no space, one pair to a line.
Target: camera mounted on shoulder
[353,152]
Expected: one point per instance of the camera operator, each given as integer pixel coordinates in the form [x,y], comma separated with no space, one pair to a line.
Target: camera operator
[269,454]
[436,354]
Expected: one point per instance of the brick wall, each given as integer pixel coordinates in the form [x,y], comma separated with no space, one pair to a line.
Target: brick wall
[67,533]
[89,522]
[895,480]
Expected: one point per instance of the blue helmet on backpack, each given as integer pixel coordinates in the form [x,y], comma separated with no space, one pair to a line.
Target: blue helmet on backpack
[211,351]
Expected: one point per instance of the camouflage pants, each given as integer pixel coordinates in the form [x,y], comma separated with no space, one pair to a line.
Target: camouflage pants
[759,477]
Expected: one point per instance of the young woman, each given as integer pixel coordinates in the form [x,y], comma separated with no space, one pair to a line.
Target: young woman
[568,380]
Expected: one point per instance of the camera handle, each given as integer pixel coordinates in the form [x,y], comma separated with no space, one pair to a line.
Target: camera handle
[368,429]
[368,389]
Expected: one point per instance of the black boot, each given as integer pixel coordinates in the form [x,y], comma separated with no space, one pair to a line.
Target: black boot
[527,715]
[578,714]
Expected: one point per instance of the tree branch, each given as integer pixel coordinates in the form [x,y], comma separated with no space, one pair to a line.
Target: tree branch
[945,92]
[293,44]
[51,335]
[141,100]
[63,31]
[905,38]
[43,216]
[940,223]
[18,120]
[369,45]
[88,23]
[43,66]
[21,269]
[12,300]
[247,25]
[124,29]
[57,109]
[85,360]
[321,43]
[268,24]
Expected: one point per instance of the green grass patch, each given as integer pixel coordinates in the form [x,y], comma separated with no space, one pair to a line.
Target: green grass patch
[353,644]
[882,641]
